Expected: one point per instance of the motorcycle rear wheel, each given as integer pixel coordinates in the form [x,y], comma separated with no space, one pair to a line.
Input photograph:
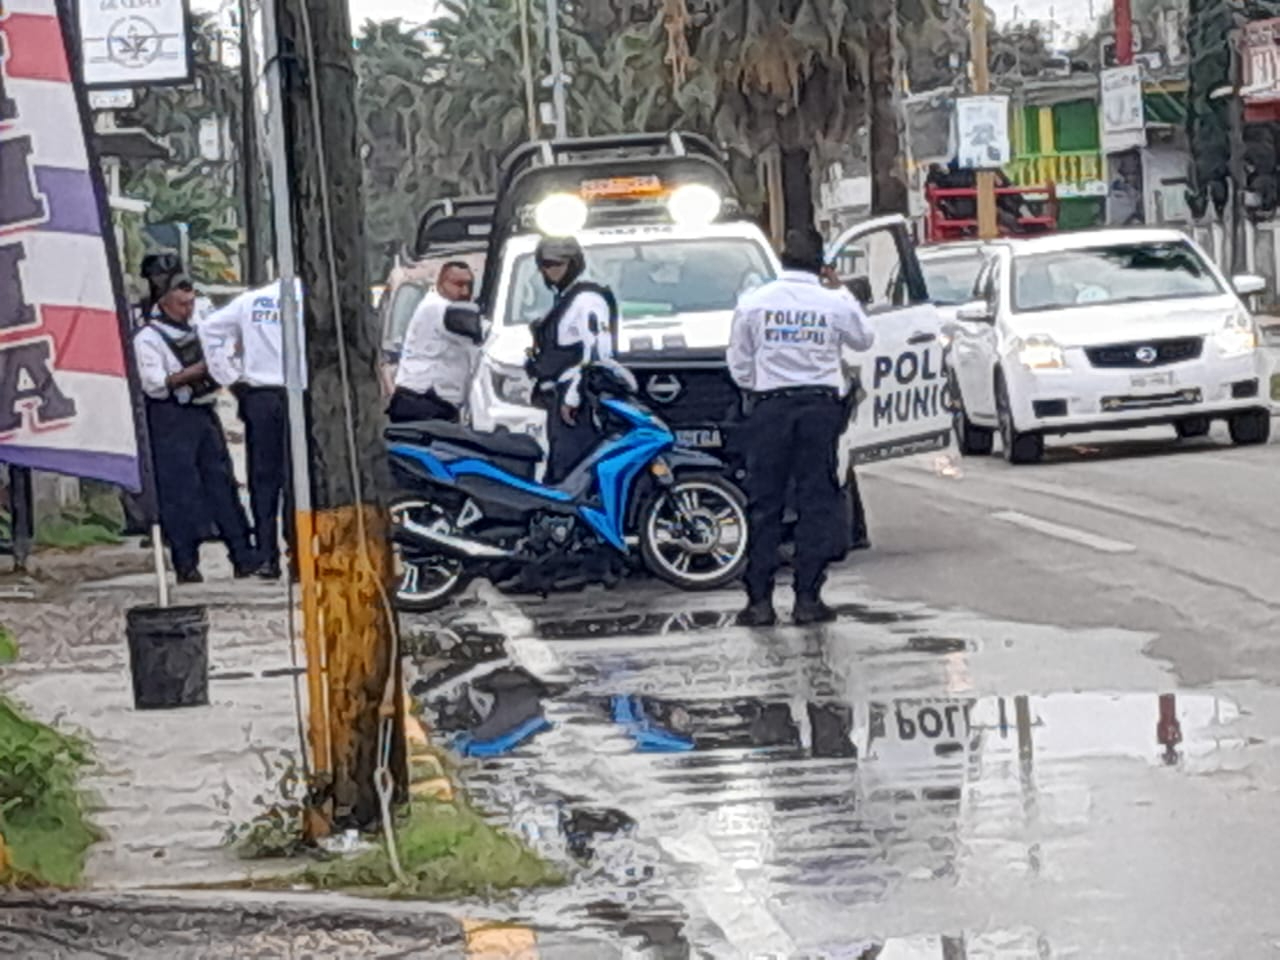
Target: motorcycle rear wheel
[424,583]
[694,533]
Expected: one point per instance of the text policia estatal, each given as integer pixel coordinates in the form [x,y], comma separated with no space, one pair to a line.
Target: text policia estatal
[28,383]
[910,386]
[795,326]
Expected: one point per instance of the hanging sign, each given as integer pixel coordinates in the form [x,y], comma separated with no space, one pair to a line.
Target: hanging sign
[983,127]
[135,43]
[65,396]
[1123,118]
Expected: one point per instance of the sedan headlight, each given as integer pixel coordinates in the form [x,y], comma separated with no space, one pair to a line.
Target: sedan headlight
[1238,335]
[1039,352]
[512,385]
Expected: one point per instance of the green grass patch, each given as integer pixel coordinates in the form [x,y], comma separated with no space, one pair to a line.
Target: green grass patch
[42,819]
[446,850]
[64,533]
[8,646]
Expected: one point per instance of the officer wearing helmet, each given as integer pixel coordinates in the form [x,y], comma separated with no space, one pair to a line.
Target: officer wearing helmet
[578,331]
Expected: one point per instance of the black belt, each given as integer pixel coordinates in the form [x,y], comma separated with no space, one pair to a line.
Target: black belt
[831,392]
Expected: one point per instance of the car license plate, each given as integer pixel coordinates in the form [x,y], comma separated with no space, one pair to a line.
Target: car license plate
[708,439]
[1146,381]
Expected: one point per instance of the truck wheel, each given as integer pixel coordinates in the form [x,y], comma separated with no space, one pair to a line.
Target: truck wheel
[1018,447]
[1250,428]
[971,439]
[694,533]
[1193,427]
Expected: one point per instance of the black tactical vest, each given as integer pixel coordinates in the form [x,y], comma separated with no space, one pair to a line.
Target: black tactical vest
[188,351]
[550,359]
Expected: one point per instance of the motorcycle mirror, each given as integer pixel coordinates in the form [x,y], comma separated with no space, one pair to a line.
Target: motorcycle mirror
[464,319]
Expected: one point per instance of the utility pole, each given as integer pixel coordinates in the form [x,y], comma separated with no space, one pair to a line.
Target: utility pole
[353,663]
[255,272]
[988,227]
[531,97]
[557,70]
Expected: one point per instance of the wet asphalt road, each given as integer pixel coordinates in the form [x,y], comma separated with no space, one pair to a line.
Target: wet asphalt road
[1044,726]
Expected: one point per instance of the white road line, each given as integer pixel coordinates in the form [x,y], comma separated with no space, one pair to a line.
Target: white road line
[1070,534]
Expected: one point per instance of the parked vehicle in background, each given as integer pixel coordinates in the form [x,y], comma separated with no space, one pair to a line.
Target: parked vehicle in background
[1105,330]
[448,230]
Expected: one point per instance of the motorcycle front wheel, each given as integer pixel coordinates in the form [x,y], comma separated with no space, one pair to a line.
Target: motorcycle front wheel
[424,582]
[694,533]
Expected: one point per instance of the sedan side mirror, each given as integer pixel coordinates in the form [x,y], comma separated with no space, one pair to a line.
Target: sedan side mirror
[464,320]
[976,311]
[1247,284]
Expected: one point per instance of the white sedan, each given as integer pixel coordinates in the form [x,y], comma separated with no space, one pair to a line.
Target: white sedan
[1104,330]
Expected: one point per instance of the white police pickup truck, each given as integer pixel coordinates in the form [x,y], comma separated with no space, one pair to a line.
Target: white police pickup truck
[657,216]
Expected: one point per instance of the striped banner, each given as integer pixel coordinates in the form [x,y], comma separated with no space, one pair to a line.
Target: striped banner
[65,397]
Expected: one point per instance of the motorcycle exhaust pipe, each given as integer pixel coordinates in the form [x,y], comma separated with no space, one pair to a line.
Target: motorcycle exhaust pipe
[407,532]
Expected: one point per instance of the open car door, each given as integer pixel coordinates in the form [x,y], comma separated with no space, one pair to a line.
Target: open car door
[904,403]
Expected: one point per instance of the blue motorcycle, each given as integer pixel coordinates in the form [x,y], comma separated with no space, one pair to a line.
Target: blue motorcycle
[472,508]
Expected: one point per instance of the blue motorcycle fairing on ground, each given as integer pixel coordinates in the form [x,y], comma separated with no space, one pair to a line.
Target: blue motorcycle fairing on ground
[616,464]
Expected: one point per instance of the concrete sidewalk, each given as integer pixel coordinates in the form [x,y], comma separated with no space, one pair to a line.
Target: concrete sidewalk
[171,782]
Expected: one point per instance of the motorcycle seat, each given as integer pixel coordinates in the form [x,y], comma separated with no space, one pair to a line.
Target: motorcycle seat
[512,446]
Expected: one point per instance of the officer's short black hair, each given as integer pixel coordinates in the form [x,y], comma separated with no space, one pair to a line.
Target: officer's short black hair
[454,265]
[803,249]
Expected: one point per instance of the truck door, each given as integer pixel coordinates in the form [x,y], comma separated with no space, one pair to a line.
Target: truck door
[905,405]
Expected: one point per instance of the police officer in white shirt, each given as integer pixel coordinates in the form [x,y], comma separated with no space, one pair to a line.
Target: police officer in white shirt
[245,345]
[189,452]
[436,362]
[785,355]
[578,331]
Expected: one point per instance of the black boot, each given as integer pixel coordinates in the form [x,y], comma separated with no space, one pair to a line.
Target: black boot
[811,610]
[759,613]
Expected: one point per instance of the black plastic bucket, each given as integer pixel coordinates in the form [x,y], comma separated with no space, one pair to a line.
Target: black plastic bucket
[169,657]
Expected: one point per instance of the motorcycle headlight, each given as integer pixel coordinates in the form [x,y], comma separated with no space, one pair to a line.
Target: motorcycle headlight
[1238,335]
[512,386]
[1040,352]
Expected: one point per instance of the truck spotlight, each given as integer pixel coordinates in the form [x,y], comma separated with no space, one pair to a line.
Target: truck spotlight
[560,215]
[694,205]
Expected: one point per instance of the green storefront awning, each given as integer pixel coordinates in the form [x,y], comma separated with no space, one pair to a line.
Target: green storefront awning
[1165,106]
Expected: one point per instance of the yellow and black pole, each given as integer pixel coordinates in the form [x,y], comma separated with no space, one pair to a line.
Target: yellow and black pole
[988,226]
[356,735]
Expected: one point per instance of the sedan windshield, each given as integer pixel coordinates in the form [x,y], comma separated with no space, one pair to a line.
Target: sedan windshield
[950,280]
[1120,273]
[655,278]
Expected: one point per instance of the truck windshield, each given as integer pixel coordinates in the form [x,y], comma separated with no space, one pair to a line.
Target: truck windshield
[654,278]
[1120,273]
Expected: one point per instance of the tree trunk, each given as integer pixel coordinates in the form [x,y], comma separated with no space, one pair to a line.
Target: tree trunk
[347,456]
[888,165]
[797,188]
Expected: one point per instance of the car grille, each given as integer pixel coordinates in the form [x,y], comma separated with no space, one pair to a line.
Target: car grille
[1121,355]
[705,396]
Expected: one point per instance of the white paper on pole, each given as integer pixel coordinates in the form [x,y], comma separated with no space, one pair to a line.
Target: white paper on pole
[131,43]
[1123,117]
[983,132]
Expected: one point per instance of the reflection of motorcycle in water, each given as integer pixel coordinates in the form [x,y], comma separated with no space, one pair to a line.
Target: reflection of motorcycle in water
[488,715]
[670,726]
[473,508]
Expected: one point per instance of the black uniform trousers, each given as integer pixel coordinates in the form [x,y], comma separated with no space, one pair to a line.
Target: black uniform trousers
[265,414]
[793,440]
[567,443]
[406,406]
[195,481]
